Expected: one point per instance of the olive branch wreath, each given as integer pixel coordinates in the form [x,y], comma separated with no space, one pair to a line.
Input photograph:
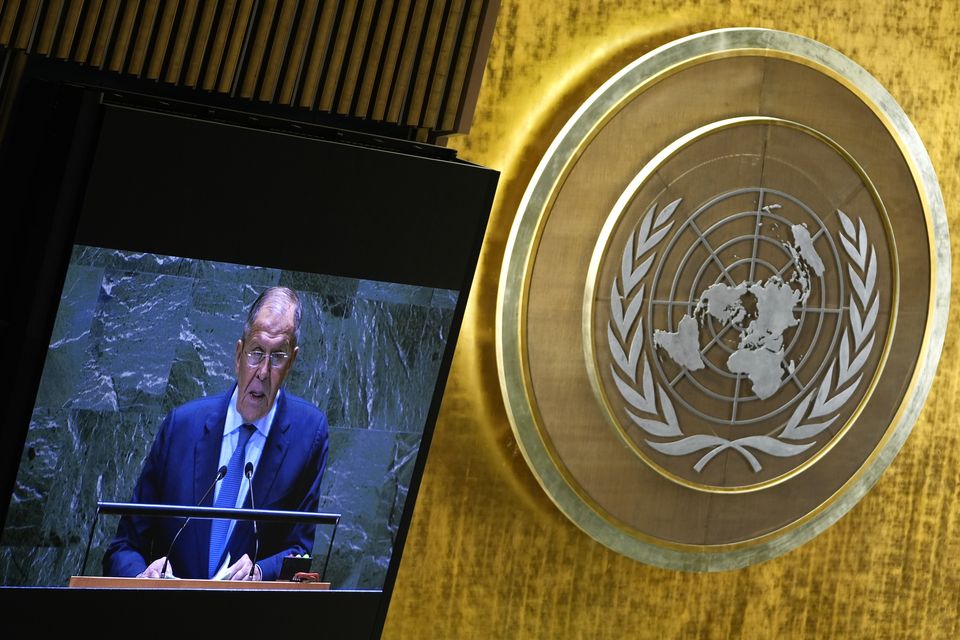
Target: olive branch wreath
[814,414]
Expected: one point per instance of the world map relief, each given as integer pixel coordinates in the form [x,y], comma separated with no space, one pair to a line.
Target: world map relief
[760,312]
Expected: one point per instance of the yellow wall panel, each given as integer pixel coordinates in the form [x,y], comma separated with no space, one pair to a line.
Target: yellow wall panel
[489,556]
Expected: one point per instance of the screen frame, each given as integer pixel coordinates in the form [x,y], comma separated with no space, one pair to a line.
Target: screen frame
[46,157]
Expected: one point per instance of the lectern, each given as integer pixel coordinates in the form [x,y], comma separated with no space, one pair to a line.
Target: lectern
[202,513]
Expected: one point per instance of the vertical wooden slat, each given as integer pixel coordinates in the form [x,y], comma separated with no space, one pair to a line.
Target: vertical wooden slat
[199,18]
[93,33]
[56,26]
[311,37]
[162,33]
[5,19]
[148,40]
[180,41]
[221,44]
[373,61]
[10,18]
[75,27]
[380,97]
[358,50]
[123,37]
[423,64]
[72,28]
[231,54]
[39,17]
[411,46]
[242,55]
[322,47]
[263,46]
[341,40]
[170,45]
[183,41]
[88,32]
[134,32]
[120,37]
[23,28]
[293,39]
[211,23]
[106,35]
[443,61]
[450,107]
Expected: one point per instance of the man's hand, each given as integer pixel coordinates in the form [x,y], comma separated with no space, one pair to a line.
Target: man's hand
[240,570]
[153,570]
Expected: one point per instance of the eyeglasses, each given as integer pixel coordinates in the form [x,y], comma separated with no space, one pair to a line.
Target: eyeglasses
[277,358]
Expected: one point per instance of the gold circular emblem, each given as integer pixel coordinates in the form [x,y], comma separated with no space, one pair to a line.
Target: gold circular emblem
[706,347]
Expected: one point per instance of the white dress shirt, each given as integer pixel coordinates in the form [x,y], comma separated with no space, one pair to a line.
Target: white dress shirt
[231,435]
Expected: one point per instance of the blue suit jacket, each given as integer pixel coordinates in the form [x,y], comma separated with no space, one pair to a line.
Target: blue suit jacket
[183,463]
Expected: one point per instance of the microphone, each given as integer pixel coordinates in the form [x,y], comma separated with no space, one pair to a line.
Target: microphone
[222,471]
[248,471]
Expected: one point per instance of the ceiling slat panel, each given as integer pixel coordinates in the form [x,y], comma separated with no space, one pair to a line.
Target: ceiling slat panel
[405,62]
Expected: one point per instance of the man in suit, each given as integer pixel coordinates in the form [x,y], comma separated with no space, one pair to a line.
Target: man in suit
[283,436]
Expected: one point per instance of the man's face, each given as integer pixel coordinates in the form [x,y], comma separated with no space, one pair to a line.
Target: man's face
[258,385]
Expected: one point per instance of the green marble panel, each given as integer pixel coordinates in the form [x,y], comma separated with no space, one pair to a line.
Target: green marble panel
[367,481]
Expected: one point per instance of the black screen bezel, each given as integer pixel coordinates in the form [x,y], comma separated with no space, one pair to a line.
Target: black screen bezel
[51,175]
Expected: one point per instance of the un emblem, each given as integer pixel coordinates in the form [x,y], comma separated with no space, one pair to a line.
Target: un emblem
[746,324]
[723,299]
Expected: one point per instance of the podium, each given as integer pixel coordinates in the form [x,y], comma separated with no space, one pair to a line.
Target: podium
[97,582]
[203,513]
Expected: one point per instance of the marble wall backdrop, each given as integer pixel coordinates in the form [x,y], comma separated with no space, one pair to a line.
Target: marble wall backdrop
[138,334]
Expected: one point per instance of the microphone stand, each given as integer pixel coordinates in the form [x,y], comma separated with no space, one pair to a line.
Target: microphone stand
[221,472]
[248,472]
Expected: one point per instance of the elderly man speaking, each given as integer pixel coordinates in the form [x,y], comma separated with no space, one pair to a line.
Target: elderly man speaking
[256,422]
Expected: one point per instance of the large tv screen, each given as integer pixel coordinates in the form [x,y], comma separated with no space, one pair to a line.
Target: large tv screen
[140,334]
[176,225]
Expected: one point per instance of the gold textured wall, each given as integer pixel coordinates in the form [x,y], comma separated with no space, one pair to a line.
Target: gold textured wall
[489,556]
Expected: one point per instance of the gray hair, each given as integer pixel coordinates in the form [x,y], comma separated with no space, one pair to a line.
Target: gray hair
[278,300]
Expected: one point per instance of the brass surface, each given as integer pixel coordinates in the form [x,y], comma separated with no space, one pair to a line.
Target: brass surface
[489,556]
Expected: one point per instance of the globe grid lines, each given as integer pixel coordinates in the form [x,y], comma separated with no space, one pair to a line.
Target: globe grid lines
[825,403]
[701,240]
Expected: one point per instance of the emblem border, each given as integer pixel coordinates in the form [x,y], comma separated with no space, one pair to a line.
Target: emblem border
[524,239]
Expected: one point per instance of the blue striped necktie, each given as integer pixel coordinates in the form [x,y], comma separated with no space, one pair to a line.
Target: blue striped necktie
[227,498]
